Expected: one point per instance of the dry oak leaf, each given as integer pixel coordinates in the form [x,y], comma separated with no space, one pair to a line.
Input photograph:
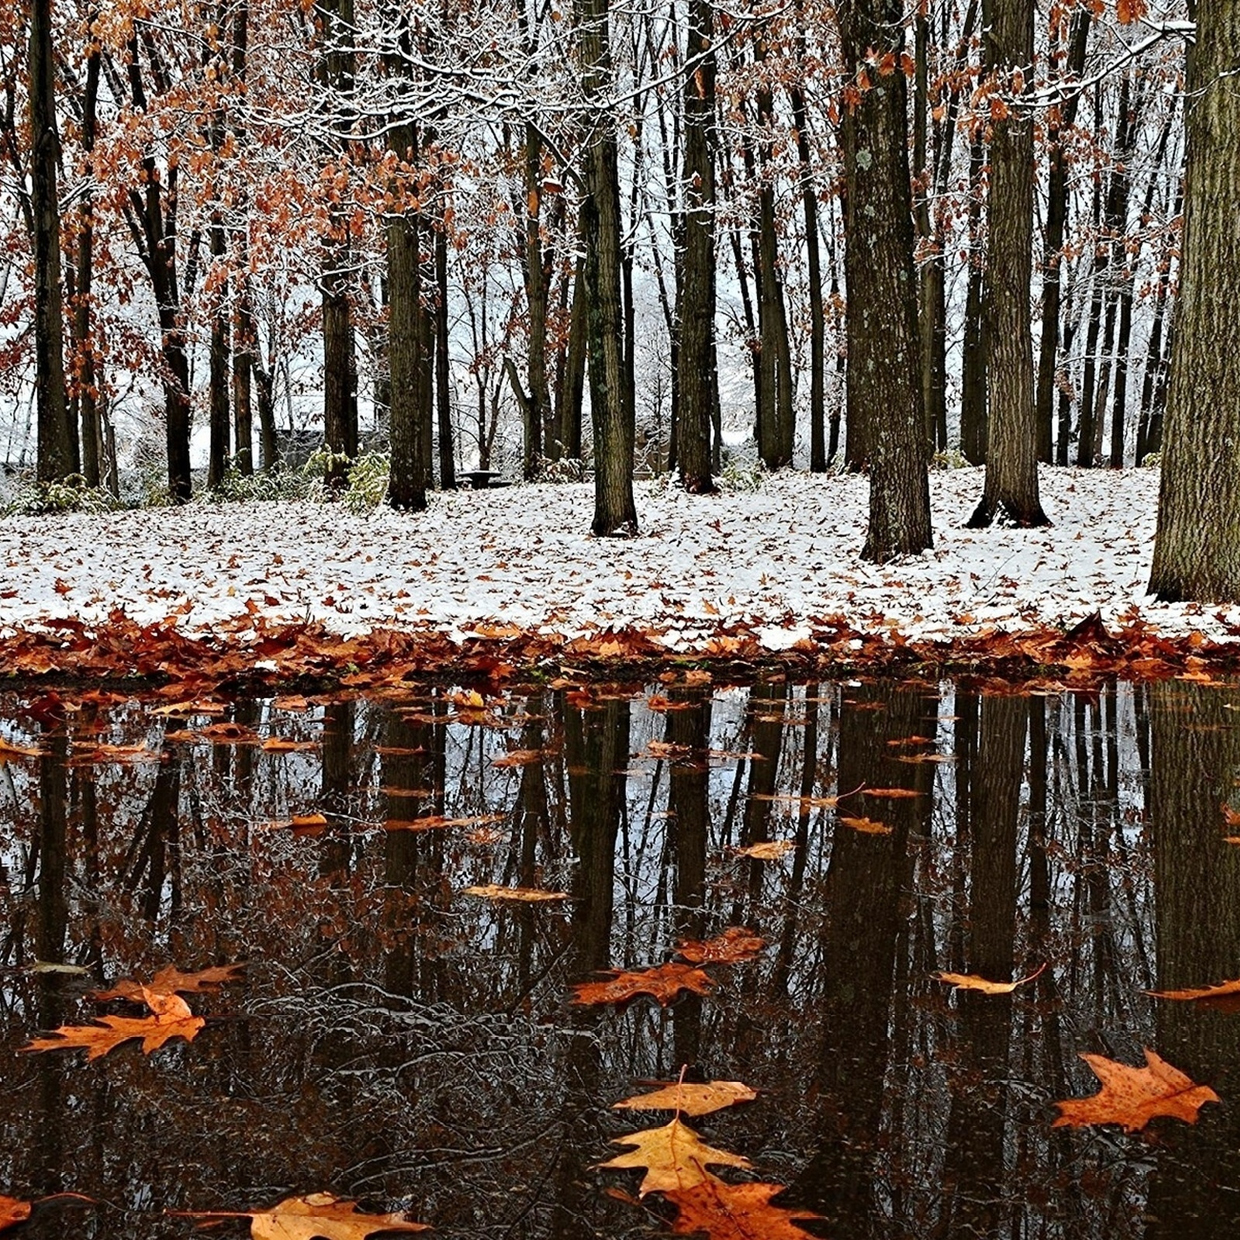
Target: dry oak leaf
[767,850]
[321,1215]
[523,895]
[663,983]
[1134,1096]
[690,1099]
[171,1018]
[724,1211]
[734,945]
[974,981]
[8,751]
[891,794]
[1226,995]
[673,1156]
[519,757]
[171,981]
[867,826]
[13,1211]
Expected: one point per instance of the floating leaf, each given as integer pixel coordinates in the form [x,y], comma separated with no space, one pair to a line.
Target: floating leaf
[435,822]
[690,1099]
[524,895]
[973,981]
[1134,1096]
[867,826]
[767,850]
[891,794]
[13,1211]
[171,981]
[321,1215]
[735,1212]
[171,1019]
[663,983]
[674,1157]
[282,744]
[519,757]
[1225,995]
[8,751]
[734,945]
[791,798]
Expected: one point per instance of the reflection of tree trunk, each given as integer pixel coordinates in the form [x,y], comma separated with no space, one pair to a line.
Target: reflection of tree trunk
[978,1117]
[157,840]
[688,800]
[1196,752]
[866,876]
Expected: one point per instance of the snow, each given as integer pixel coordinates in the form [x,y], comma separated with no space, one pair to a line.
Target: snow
[775,560]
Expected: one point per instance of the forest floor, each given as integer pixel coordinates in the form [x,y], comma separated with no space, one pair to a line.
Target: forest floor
[745,575]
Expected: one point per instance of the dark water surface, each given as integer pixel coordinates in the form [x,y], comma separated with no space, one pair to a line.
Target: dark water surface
[397,1041]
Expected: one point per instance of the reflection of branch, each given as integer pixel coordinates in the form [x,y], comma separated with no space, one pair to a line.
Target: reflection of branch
[1049,96]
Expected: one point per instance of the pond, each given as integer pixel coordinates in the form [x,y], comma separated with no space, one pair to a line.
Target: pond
[403,1042]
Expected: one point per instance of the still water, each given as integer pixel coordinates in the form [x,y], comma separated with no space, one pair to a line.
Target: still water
[401,1042]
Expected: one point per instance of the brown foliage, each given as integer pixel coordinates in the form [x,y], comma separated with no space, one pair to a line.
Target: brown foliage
[171,1018]
[171,981]
[724,1211]
[733,946]
[663,983]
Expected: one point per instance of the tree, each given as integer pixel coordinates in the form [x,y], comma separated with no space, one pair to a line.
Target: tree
[56,442]
[884,381]
[1011,486]
[1197,545]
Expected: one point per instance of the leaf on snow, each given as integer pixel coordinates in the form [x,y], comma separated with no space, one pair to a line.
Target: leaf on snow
[321,1215]
[171,1018]
[734,945]
[524,895]
[735,1212]
[690,1099]
[1134,1096]
[674,1157]
[974,981]
[171,981]
[664,983]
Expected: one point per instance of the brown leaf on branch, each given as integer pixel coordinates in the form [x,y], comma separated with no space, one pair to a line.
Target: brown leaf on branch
[674,1157]
[724,1211]
[1129,11]
[1134,1096]
[690,1099]
[522,895]
[321,1215]
[171,1018]
[973,981]
[13,1211]
[733,946]
[171,981]
[663,983]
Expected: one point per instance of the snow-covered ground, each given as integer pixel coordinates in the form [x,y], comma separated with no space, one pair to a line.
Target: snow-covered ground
[776,559]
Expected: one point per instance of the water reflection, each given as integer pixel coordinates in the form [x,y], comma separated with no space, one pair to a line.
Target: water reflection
[400,1042]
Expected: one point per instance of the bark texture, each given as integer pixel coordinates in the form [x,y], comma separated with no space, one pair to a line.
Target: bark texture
[884,380]
[1011,486]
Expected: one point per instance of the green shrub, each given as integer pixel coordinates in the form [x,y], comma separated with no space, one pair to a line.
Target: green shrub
[70,495]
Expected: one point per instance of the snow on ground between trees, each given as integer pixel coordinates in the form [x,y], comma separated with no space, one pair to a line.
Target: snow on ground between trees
[776,560]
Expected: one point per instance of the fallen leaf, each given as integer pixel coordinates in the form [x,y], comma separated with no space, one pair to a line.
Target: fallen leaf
[690,1099]
[892,794]
[768,850]
[171,981]
[674,1157]
[973,981]
[8,751]
[664,983]
[734,945]
[13,1211]
[1225,995]
[1134,1096]
[171,1018]
[867,826]
[524,895]
[519,757]
[433,822]
[735,1212]
[282,744]
[791,798]
[321,1215]
[52,966]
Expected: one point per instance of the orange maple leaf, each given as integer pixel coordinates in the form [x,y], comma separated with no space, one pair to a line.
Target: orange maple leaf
[734,945]
[322,1215]
[735,1212]
[171,1018]
[1134,1096]
[663,983]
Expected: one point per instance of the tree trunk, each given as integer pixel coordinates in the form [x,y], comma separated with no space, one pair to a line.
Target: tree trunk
[1197,546]
[1011,486]
[611,402]
[973,422]
[218,382]
[572,389]
[536,298]
[87,378]
[883,354]
[55,452]
[443,376]
[695,394]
